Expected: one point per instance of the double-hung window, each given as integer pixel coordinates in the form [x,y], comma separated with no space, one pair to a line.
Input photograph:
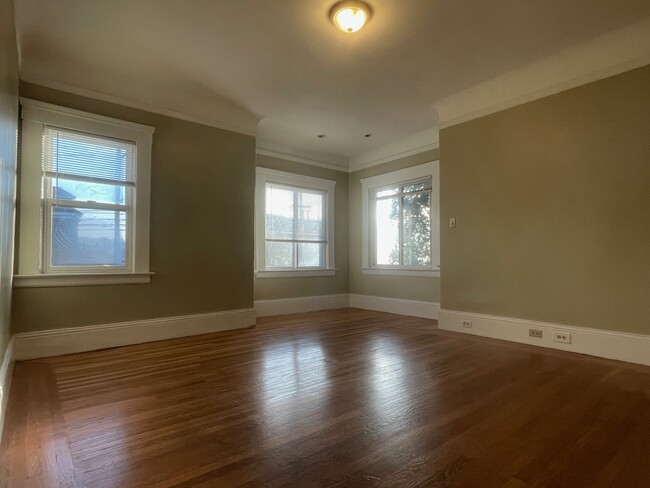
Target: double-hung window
[88,194]
[295,224]
[84,198]
[401,222]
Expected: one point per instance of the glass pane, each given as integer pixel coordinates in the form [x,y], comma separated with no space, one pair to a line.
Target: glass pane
[280,255]
[83,191]
[419,186]
[387,240]
[74,153]
[416,229]
[311,255]
[279,213]
[88,237]
[310,217]
[386,192]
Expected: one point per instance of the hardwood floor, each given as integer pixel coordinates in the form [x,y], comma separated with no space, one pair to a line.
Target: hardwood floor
[348,398]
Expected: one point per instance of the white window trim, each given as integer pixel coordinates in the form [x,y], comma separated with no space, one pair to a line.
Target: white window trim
[266,175]
[431,170]
[35,116]
[79,279]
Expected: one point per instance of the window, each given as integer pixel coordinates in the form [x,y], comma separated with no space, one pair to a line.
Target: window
[295,225]
[401,222]
[88,184]
[84,198]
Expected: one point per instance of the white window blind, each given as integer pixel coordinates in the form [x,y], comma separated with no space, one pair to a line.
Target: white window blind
[83,157]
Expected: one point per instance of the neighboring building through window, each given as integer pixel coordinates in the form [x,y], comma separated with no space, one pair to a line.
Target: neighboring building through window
[295,224]
[401,222]
[84,198]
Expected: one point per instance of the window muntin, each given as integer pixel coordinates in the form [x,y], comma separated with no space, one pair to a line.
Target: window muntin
[402,225]
[88,196]
[295,228]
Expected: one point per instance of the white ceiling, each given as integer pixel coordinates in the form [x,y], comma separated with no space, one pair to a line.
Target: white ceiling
[234,63]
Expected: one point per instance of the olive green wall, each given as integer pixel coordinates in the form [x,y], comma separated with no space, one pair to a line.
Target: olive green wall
[273,288]
[202,194]
[552,201]
[8,132]
[404,287]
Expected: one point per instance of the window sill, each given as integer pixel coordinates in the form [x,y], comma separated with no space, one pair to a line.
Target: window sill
[78,279]
[422,273]
[307,273]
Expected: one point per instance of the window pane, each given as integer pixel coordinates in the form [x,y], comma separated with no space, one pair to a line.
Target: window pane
[88,237]
[83,191]
[386,192]
[421,185]
[280,255]
[310,255]
[416,229]
[279,213]
[86,155]
[387,239]
[310,217]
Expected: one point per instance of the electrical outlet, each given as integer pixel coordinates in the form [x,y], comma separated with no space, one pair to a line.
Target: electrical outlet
[467,324]
[562,337]
[535,333]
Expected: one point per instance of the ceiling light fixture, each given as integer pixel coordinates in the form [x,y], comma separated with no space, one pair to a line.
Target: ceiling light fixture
[350,16]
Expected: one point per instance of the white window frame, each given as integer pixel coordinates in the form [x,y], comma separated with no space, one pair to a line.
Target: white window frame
[292,180]
[394,178]
[33,270]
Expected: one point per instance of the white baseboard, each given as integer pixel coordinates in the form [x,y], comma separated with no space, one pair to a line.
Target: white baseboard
[427,310]
[56,342]
[283,306]
[622,346]
[6,371]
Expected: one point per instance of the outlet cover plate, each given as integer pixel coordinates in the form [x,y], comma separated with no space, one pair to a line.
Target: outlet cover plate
[563,337]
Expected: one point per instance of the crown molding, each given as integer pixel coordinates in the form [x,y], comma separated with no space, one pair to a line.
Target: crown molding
[608,55]
[426,140]
[394,156]
[297,159]
[417,143]
[147,107]
[414,144]
[41,111]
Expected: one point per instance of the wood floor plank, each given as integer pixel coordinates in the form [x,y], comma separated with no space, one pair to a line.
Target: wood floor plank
[330,399]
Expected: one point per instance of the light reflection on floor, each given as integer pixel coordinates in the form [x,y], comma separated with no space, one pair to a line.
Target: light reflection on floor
[294,388]
[389,379]
[295,385]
